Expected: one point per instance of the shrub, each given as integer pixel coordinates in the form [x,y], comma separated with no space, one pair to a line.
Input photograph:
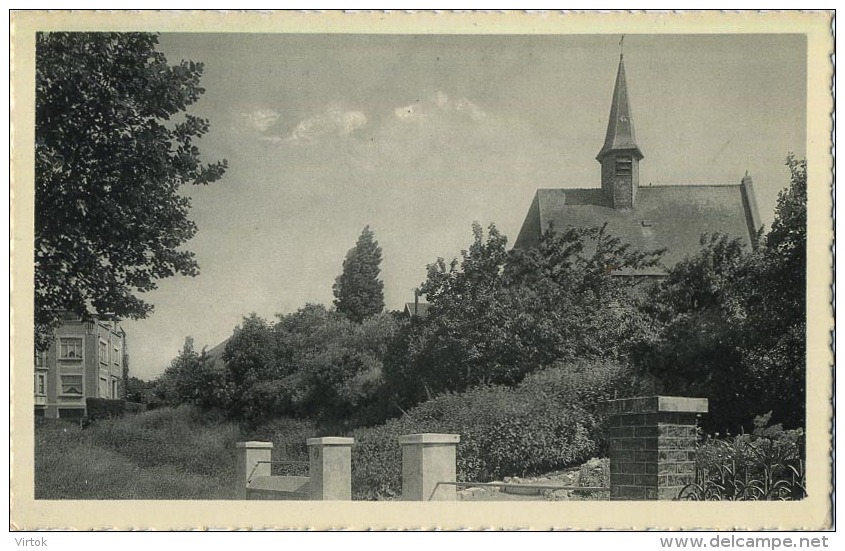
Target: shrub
[595,473]
[767,464]
[103,408]
[135,407]
[539,426]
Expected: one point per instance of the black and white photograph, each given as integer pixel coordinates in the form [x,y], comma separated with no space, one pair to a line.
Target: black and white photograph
[577,267]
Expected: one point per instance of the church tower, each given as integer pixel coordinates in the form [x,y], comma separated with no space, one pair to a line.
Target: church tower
[620,156]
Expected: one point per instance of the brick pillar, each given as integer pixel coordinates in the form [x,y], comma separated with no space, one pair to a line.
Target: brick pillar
[330,468]
[426,460]
[249,455]
[652,446]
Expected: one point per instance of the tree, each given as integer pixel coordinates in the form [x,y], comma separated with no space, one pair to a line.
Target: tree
[253,371]
[498,315]
[137,390]
[777,289]
[113,145]
[358,291]
[730,323]
[190,379]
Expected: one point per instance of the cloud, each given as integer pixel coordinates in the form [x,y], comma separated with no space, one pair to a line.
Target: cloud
[408,113]
[261,119]
[333,121]
[440,104]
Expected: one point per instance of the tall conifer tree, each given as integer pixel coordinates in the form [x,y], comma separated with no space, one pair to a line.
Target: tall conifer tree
[358,291]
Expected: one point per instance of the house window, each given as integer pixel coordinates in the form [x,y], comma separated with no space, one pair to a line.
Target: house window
[40,360]
[72,384]
[114,388]
[70,349]
[40,384]
[104,388]
[116,356]
[104,352]
[624,166]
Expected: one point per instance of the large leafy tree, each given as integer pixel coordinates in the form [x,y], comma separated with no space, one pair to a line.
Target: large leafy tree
[113,145]
[497,315]
[314,362]
[358,291]
[730,322]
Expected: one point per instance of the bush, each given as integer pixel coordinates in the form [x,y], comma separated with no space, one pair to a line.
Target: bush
[767,464]
[595,473]
[548,422]
[135,407]
[103,408]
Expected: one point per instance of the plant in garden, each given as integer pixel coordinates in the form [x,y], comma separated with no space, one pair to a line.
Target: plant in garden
[767,464]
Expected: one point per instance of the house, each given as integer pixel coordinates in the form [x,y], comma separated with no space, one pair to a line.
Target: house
[670,217]
[416,309]
[88,359]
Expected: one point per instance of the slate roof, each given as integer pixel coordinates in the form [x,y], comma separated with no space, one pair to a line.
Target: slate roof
[667,216]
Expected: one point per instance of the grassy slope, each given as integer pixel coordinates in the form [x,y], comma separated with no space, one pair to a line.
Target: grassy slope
[163,454]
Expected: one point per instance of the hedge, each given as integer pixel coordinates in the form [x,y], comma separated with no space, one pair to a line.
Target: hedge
[103,408]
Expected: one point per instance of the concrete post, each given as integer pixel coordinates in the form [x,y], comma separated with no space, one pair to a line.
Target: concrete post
[652,446]
[330,468]
[248,466]
[426,460]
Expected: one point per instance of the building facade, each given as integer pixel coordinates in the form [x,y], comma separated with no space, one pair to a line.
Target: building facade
[88,359]
[660,217]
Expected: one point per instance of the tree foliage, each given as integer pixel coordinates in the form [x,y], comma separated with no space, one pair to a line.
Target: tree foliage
[312,363]
[137,390]
[498,315]
[113,145]
[358,291]
[730,322]
[190,378]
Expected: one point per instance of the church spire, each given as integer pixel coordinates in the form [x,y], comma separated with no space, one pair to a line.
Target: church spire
[620,126]
[620,155]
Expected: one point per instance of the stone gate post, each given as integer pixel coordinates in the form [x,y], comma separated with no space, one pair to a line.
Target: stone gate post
[250,454]
[426,460]
[330,468]
[652,446]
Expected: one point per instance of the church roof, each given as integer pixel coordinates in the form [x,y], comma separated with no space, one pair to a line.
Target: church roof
[620,126]
[666,216]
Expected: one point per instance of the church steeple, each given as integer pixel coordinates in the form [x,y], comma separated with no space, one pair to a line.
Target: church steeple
[620,155]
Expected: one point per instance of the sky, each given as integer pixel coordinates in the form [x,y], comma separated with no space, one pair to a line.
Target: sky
[418,136]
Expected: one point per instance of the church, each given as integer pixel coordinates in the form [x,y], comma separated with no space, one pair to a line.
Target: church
[670,217]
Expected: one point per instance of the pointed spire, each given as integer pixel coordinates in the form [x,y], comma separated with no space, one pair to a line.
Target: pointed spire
[620,128]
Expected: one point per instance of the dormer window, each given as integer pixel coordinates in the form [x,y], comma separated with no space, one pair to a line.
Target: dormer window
[624,165]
